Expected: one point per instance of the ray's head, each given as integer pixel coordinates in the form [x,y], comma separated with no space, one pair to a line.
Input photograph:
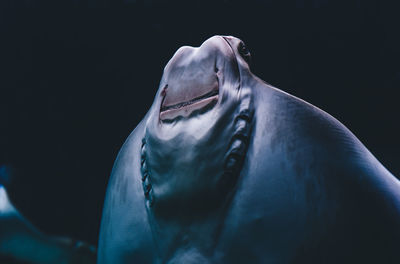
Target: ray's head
[197,130]
[196,79]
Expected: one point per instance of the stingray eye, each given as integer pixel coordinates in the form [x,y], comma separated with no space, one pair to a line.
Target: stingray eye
[244,52]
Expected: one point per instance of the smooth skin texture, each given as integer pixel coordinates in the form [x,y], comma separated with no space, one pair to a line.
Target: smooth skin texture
[247,174]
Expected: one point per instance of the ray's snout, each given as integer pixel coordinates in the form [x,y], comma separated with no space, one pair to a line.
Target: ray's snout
[192,80]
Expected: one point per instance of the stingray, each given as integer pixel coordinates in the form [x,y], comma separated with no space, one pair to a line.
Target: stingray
[22,243]
[225,168]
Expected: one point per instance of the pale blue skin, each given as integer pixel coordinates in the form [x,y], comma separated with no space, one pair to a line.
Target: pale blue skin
[309,191]
[21,242]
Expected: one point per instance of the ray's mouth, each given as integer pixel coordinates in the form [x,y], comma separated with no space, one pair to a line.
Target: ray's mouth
[196,105]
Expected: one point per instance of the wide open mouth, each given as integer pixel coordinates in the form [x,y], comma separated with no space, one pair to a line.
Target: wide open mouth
[196,105]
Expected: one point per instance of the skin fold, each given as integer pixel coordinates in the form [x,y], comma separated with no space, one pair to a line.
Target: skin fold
[225,168]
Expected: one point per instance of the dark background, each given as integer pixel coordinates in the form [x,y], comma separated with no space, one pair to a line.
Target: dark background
[77,76]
